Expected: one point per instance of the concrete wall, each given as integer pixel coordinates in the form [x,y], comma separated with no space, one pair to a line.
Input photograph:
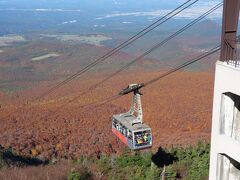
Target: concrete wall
[225,138]
[230,116]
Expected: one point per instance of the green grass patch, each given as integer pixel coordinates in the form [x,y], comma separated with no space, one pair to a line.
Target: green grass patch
[190,163]
[83,174]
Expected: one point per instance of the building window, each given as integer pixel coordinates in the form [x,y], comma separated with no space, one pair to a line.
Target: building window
[230,116]
[228,168]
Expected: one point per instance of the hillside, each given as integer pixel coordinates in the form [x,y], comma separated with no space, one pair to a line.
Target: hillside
[26,65]
[178,109]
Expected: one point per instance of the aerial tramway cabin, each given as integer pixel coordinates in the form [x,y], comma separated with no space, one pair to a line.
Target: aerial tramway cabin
[129,127]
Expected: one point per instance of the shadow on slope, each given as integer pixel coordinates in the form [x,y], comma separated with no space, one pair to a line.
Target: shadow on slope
[9,159]
[162,158]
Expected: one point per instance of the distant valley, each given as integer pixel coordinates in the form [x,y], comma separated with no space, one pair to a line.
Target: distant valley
[29,58]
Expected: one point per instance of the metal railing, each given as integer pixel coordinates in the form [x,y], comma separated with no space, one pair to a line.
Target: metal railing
[235,63]
[233,52]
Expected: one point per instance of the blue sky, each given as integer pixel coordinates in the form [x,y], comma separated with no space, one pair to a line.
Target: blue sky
[164,4]
[113,8]
[98,15]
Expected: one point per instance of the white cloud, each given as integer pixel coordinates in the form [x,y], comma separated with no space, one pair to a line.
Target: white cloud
[102,25]
[42,10]
[99,18]
[117,3]
[190,13]
[69,22]
[57,10]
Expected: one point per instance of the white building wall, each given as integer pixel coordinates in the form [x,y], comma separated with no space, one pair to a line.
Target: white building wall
[225,141]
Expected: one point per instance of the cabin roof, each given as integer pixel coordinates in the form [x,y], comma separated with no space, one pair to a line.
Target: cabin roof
[125,120]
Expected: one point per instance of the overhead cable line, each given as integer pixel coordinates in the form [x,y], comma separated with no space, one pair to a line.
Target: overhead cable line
[99,102]
[121,46]
[154,25]
[117,96]
[147,52]
[188,63]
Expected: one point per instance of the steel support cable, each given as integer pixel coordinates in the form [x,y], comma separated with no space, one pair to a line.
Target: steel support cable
[188,63]
[147,52]
[117,96]
[99,102]
[119,47]
[208,53]
[92,103]
[122,45]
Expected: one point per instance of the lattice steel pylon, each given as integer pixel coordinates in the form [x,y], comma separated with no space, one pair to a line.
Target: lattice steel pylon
[136,109]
